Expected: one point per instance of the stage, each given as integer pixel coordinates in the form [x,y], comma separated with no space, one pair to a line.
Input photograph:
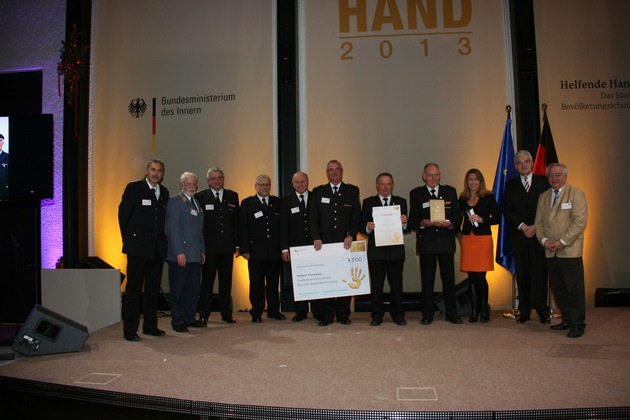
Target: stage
[289,370]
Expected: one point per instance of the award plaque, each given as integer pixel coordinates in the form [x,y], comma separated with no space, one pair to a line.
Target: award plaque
[436,208]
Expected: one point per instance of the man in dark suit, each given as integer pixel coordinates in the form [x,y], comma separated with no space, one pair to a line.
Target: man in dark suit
[435,241]
[519,208]
[220,228]
[385,261]
[295,231]
[259,243]
[335,217]
[186,253]
[141,217]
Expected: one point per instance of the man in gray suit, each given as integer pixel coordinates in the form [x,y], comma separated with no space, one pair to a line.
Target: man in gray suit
[186,253]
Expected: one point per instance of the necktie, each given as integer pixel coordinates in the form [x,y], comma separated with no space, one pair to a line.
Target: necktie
[264,200]
[556,193]
[154,192]
[218,198]
[335,189]
[385,201]
[526,184]
[302,204]
[433,194]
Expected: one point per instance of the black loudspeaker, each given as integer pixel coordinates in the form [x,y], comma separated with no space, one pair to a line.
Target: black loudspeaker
[92,262]
[462,299]
[612,297]
[47,332]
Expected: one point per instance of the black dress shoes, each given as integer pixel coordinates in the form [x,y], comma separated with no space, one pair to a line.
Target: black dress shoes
[545,319]
[298,318]
[400,322]
[575,333]
[132,337]
[323,323]
[426,320]
[521,319]
[277,316]
[345,322]
[256,320]
[455,320]
[180,329]
[375,323]
[198,323]
[155,333]
[228,320]
[561,326]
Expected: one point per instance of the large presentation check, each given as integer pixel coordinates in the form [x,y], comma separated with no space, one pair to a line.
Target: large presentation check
[330,272]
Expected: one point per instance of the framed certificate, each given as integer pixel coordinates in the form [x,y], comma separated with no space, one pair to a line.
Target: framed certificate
[388,226]
[437,212]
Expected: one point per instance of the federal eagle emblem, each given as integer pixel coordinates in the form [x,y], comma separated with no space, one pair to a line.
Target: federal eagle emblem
[137,107]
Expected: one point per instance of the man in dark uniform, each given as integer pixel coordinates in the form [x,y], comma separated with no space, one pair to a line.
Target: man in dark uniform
[335,217]
[141,216]
[295,231]
[259,243]
[435,241]
[385,261]
[220,208]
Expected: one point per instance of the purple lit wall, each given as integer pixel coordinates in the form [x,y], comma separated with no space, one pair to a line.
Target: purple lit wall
[30,38]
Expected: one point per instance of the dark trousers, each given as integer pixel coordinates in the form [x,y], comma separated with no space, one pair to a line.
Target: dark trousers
[566,277]
[332,308]
[221,264]
[148,272]
[184,292]
[531,278]
[393,270]
[428,266]
[264,281]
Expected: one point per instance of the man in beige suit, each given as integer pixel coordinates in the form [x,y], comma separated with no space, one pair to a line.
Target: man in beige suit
[561,218]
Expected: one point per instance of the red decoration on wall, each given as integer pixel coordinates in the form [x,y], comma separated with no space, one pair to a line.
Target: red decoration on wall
[71,67]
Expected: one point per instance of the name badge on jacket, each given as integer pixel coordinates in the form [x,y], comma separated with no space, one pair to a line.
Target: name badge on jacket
[146,202]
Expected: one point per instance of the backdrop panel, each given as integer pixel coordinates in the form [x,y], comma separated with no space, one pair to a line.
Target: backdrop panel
[191,83]
[390,86]
[584,77]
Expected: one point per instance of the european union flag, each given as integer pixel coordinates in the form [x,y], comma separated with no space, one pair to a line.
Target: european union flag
[505,172]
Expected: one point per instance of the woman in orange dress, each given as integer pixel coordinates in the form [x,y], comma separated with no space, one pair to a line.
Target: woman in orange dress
[480,211]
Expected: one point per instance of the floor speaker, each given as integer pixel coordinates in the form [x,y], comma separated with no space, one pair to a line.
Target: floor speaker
[47,332]
[462,299]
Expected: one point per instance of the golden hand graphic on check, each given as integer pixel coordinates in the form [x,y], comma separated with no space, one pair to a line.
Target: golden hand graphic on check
[357,278]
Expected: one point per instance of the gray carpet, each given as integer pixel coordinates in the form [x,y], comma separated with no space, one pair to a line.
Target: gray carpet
[442,367]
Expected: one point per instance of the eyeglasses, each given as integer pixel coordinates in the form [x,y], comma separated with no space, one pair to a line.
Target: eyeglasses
[264,185]
[556,175]
[334,169]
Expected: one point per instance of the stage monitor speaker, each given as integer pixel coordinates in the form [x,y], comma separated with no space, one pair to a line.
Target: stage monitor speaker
[462,299]
[92,262]
[47,332]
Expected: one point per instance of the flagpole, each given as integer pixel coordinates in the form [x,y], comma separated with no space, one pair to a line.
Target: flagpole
[552,313]
[514,312]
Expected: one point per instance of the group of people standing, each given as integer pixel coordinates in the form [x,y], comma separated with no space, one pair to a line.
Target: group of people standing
[200,232]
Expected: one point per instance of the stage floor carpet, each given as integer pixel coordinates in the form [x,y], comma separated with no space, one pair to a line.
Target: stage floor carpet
[295,369]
